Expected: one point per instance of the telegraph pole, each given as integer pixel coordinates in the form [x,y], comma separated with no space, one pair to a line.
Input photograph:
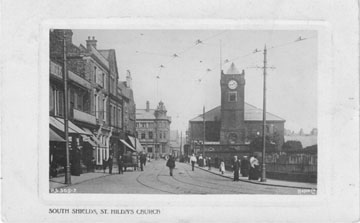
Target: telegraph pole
[203,146]
[263,169]
[181,144]
[66,113]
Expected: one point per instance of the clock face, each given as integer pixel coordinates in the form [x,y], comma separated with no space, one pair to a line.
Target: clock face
[232,84]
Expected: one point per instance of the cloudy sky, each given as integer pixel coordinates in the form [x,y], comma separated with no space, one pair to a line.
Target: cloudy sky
[182,68]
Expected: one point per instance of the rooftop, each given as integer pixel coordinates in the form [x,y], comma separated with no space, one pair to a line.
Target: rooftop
[252,113]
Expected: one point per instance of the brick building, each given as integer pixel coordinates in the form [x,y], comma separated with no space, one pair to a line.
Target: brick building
[153,129]
[235,123]
[96,105]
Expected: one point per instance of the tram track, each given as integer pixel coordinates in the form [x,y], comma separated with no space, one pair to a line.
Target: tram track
[151,187]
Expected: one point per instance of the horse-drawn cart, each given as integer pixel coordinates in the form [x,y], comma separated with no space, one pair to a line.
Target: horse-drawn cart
[131,160]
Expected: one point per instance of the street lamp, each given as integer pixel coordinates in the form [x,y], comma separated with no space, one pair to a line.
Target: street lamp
[263,169]
[66,113]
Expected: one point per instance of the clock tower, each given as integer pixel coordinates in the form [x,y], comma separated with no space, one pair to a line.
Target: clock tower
[232,85]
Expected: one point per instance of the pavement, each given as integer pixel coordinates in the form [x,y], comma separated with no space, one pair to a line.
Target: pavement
[269,182]
[59,182]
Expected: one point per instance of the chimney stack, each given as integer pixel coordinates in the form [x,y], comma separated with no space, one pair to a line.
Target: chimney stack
[128,79]
[147,106]
[91,42]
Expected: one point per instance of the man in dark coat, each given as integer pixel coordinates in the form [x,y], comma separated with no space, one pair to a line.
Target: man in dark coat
[110,163]
[142,161]
[236,168]
[120,164]
[171,164]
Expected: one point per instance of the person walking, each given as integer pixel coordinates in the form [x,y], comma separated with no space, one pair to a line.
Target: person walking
[200,160]
[110,163]
[142,161]
[171,164]
[193,160]
[209,163]
[105,162]
[120,164]
[222,167]
[236,168]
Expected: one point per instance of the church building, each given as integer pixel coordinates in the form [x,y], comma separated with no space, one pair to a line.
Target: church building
[235,123]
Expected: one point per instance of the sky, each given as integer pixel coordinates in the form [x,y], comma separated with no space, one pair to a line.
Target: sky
[182,69]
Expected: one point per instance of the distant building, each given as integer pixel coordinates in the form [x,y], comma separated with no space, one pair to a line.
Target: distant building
[153,129]
[234,123]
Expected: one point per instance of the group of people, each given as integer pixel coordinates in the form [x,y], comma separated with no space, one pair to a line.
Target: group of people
[247,168]
[200,161]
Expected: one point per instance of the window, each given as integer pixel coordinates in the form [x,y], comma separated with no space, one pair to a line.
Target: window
[233,96]
[150,135]
[164,135]
[120,117]
[96,98]
[60,104]
[95,80]
[137,125]
[104,108]
[114,116]
[79,102]
[143,135]
[86,101]
[143,124]
[150,149]
[160,135]
[162,148]
[52,98]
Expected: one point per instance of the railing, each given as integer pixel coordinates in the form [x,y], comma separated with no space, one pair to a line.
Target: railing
[84,117]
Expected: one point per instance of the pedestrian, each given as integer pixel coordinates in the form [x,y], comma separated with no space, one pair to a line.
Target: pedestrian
[171,164]
[222,167]
[110,163]
[201,162]
[209,163]
[105,162]
[254,168]
[142,161]
[245,167]
[120,164]
[193,161]
[236,168]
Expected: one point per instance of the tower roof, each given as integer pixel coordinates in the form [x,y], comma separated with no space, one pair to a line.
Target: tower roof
[232,69]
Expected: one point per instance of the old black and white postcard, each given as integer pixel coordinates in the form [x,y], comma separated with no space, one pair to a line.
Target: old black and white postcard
[183,111]
[216,114]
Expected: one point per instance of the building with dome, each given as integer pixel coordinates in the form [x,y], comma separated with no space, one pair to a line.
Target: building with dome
[235,123]
[153,130]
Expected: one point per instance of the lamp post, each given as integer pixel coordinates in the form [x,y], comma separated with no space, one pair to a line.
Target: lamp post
[66,113]
[263,169]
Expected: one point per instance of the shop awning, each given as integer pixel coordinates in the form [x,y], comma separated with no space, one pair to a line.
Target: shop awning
[127,145]
[73,129]
[138,145]
[54,137]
